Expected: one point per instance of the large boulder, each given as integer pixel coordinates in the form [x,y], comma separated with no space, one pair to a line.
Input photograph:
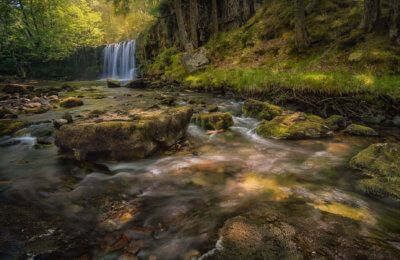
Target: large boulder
[381,163]
[213,121]
[295,126]
[360,130]
[124,138]
[112,83]
[137,83]
[195,61]
[260,110]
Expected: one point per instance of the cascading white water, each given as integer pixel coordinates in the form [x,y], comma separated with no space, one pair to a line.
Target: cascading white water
[119,60]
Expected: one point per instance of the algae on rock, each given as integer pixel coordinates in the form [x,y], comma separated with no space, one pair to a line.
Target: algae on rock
[380,162]
[214,121]
[260,110]
[295,126]
[360,130]
[124,139]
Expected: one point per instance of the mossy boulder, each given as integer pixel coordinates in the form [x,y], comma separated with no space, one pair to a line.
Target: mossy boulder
[295,126]
[380,162]
[360,130]
[71,102]
[336,122]
[8,127]
[260,110]
[214,121]
[112,83]
[124,139]
[168,101]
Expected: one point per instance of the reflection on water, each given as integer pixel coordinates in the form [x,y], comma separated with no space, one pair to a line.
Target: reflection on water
[184,200]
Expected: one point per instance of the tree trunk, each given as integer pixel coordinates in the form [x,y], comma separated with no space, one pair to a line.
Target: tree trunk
[371,14]
[214,17]
[394,31]
[187,45]
[311,6]
[194,19]
[301,36]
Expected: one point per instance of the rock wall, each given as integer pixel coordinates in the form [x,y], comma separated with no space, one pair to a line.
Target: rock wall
[164,33]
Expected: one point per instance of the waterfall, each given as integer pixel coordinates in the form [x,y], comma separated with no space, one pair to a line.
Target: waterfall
[119,60]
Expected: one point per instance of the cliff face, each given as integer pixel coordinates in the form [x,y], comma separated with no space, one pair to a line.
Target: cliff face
[163,34]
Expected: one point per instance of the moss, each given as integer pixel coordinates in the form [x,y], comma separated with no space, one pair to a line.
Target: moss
[360,130]
[214,121]
[97,112]
[8,127]
[36,110]
[295,126]
[212,108]
[168,101]
[336,122]
[71,102]
[381,162]
[112,83]
[260,110]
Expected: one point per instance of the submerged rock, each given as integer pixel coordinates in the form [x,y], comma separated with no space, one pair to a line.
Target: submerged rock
[124,138]
[293,229]
[192,62]
[380,162]
[336,122]
[71,102]
[214,121]
[260,110]
[112,83]
[360,130]
[295,126]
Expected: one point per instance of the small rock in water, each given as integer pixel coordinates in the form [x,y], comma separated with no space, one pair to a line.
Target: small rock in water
[71,102]
[59,122]
[112,83]
[67,116]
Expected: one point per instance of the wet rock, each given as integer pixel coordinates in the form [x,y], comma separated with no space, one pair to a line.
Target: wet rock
[44,140]
[381,163]
[212,108]
[33,104]
[134,246]
[295,126]
[336,122]
[67,116]
[36,110]
[124,139]
[8,127]
[59,122]
[16,88]
[192,62]
[360,130]
[260,110]
[112,83]
[290,230]
[168,101]
[137,83]
[213,121]
[41,130]
[71,102]
[6,113]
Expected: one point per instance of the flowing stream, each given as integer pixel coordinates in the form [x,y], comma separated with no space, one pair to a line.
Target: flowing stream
[184,198]
[119,60]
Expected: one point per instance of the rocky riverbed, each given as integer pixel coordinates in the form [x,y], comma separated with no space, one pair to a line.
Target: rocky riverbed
[127,173]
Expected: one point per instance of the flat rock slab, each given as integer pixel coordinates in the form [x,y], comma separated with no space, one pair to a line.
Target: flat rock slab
[124,138]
